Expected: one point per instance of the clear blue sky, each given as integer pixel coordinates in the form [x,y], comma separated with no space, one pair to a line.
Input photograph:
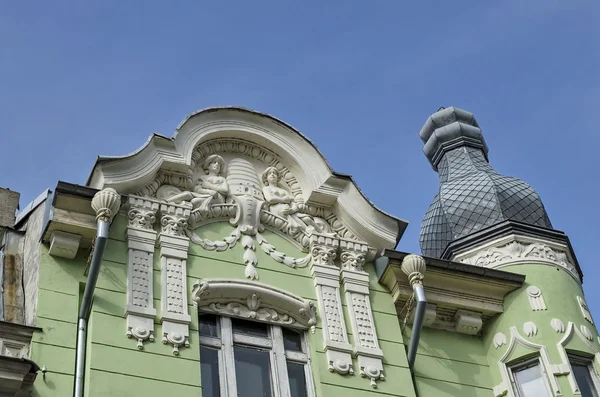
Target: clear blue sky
[83,78]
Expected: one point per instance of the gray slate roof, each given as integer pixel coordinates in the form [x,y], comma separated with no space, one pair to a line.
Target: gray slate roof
[472,195]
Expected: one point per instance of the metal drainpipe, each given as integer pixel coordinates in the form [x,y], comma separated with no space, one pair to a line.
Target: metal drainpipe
[106,203]
[414,267]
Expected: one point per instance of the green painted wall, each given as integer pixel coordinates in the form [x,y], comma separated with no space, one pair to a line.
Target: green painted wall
[114,365]
[559,290]
[450,364]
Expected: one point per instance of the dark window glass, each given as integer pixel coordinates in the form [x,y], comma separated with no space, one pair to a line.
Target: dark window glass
[209,372]
[249,327]
[208,325]
[292,340]
[584,380]
[297,379]
[252,370]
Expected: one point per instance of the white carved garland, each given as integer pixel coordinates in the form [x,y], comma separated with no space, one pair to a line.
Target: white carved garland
[141,238]
[233,191]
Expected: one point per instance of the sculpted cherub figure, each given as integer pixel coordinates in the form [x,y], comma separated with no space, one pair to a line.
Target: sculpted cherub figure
[211,188]
[282,204]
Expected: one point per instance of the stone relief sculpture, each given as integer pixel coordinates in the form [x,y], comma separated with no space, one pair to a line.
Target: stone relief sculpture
[281,203]
[211,188]
[249,200]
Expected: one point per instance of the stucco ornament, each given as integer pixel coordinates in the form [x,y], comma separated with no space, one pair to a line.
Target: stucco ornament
[585,311]
[530,328]
[586,332]
[557,325]
[281,203]
[239,196]
[536,300]
[255,301]
[141,240]
[106,203]
[499,340]
[506,252]
[210,188]
[414,266]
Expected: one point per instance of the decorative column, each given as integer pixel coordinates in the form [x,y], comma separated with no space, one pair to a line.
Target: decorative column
[173,245]
[141,238]
[326,280]
[356,286]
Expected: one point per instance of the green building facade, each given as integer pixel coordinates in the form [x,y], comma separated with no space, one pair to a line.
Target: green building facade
[231,260]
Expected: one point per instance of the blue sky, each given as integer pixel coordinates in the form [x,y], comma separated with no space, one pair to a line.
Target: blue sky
[79,79]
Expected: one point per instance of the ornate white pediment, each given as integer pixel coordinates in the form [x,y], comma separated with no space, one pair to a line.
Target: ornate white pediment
[248,168]
[256,301]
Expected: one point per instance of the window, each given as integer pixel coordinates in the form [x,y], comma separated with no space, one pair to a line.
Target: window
[585,375]
[529,380]
[250,359]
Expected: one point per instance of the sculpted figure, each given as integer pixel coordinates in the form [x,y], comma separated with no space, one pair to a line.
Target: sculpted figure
[211,188]
[281,203]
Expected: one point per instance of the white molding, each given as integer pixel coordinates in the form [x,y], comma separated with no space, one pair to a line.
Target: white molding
[326,281]
[141,238]
[516,249]
[64,244]
[572,331]
[585,311]
[255,301]
[174,245]
[536,299]
[319,185]
[515,340]
[356,286]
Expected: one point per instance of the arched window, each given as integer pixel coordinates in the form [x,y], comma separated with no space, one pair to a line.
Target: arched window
[253,340]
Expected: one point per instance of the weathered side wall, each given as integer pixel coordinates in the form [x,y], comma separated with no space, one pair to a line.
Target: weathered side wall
[31,262]
[115,366]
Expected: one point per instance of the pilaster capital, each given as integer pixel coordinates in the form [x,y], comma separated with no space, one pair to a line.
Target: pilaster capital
[353,254]
[174,219]
[142,213]
[323,249]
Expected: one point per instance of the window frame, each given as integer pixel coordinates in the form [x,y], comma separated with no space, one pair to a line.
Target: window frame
[584,360]
[227,339]
[523,364]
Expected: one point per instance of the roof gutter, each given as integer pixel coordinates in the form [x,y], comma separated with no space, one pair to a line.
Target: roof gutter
[106,203]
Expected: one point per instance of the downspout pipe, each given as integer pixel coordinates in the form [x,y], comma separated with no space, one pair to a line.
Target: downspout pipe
[414,267]
[106,203]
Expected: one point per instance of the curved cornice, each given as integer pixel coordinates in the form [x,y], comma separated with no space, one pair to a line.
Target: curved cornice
[320,184]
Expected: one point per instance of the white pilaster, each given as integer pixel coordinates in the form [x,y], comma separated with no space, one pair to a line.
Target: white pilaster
[141,238]
[173,245]
[356,286]
[326,280]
